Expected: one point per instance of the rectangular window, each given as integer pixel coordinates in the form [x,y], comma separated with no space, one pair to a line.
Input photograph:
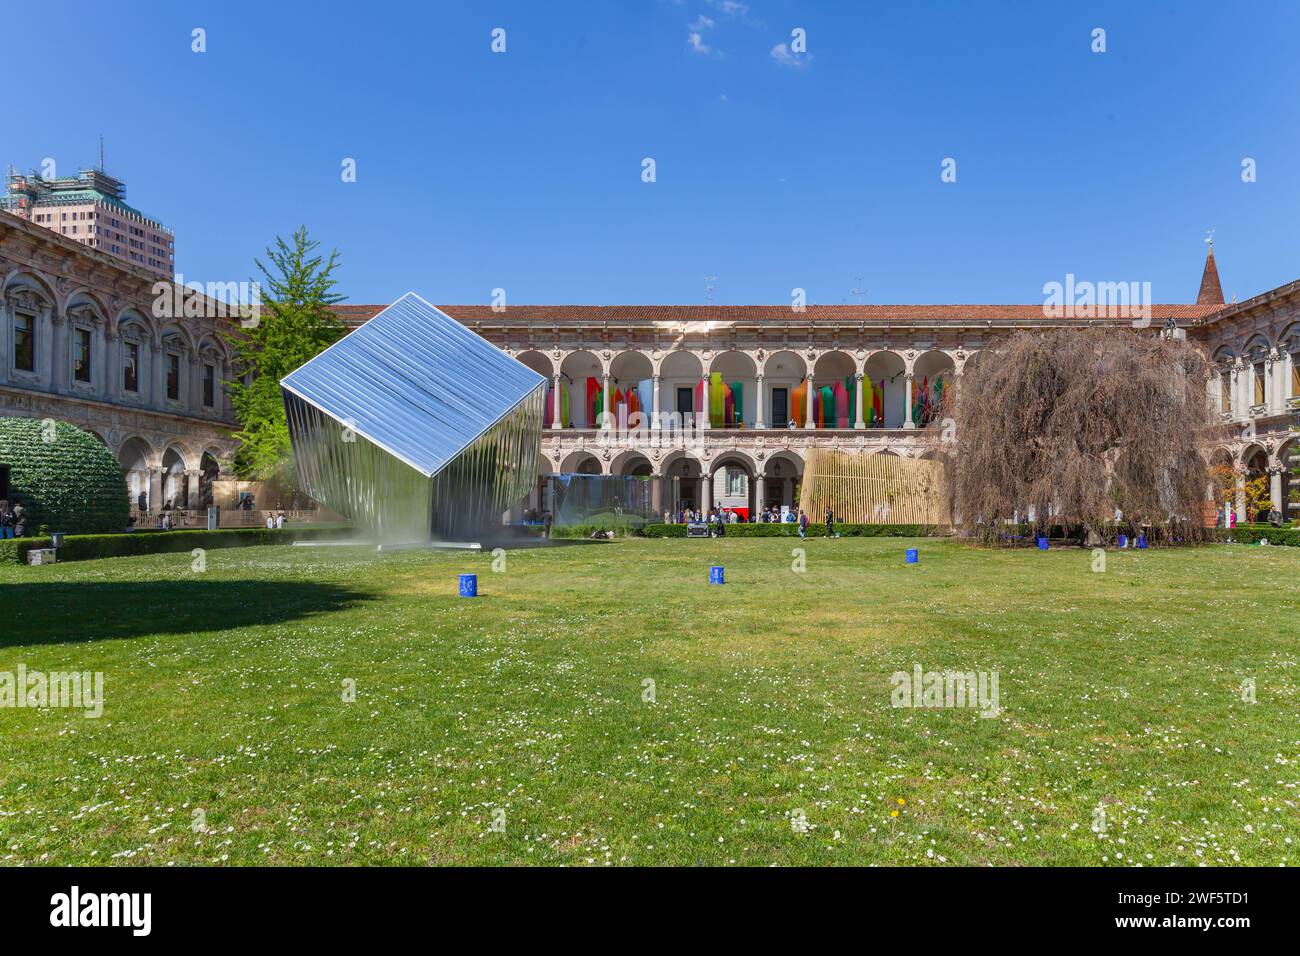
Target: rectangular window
[1225,391]
[173,376]
[1259,383]
[25,343]
[209,385]
[685,402]
[81,356]
[131,368]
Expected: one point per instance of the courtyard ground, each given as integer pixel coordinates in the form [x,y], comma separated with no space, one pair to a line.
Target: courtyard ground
[523,727]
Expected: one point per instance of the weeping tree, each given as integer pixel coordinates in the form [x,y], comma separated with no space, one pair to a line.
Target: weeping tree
[1068,427]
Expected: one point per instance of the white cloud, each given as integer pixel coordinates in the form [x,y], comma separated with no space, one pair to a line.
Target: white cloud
[701,24]
[732,8]
[696,43]
[781,53]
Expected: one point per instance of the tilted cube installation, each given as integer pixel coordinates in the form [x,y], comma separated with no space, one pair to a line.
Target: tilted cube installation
[414,427]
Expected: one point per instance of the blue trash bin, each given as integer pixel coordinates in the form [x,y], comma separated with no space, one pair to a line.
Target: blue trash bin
[1042,543]
[716,575]
[1123,541]
[1142,541]
[469,585]
[913,555]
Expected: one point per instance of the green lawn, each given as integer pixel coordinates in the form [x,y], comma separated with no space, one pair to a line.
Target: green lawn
[224,693]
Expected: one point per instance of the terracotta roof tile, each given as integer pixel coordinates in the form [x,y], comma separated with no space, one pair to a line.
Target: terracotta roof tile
[762,314]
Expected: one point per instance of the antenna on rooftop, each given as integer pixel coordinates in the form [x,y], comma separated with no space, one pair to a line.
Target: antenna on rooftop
[708,289]
[857,291]
[101,152]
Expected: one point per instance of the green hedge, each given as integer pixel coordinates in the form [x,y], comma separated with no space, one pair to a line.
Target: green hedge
[86,547]
[65,479]
[791,530]
[1283,536]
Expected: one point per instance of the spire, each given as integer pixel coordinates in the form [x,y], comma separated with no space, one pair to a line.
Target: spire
[1211,291]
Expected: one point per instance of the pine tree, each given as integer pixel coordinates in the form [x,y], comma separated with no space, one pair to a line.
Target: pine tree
[295,324]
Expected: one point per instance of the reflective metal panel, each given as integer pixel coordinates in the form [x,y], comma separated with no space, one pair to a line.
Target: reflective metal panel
[417,427]
[415,382]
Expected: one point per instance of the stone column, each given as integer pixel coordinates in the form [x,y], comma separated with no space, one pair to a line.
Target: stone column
[656,494]
[60,357]
[1285,391]
[860,422]
[907,400]
[605,403]
[655,406]
[555,402]
[808,421]
[194,368]
[156,499]
[759,490]
[759,399]
[1275,488]
[708,421]
[192,491]
[1239,495]
[706,493]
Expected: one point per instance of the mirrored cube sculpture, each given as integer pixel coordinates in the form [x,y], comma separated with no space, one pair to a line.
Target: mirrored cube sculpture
[414,427]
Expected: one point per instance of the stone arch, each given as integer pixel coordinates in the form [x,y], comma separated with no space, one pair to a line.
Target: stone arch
[138,458]
[887,371]
[83,295]
[631,462]
[736,366]
[209,472]
[829,370]
[576,368]
[732,482]
[933,374]
[680,371]
[538,361]
[782,474]
[682,472]
[782,370]
[21,278]
[581,462]
[175,487]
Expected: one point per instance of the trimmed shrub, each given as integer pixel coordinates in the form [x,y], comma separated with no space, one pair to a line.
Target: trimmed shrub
[87,547]
[791,530]
[65,479]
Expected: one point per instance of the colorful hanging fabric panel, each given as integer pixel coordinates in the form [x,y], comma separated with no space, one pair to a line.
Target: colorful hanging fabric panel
[645,393]
[841,405]
[817,406]
[717,400]
[699,400]
[548,413]
[738,402]
[878,403]
[828,406]
[850,386]
[593,398]
[799,403]
[564,405]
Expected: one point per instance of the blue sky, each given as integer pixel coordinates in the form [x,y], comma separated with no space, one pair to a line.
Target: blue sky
[523,170]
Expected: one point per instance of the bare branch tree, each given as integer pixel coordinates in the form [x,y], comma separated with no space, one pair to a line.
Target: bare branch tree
[1070,426]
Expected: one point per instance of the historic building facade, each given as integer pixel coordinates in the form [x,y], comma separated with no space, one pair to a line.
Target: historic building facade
[82,341]
[890,357]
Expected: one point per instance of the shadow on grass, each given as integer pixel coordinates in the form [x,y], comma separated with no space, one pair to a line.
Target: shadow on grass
[74,612]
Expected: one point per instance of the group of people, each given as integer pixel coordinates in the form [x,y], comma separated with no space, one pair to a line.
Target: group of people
[724,515]
[274,519]
[13,521]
